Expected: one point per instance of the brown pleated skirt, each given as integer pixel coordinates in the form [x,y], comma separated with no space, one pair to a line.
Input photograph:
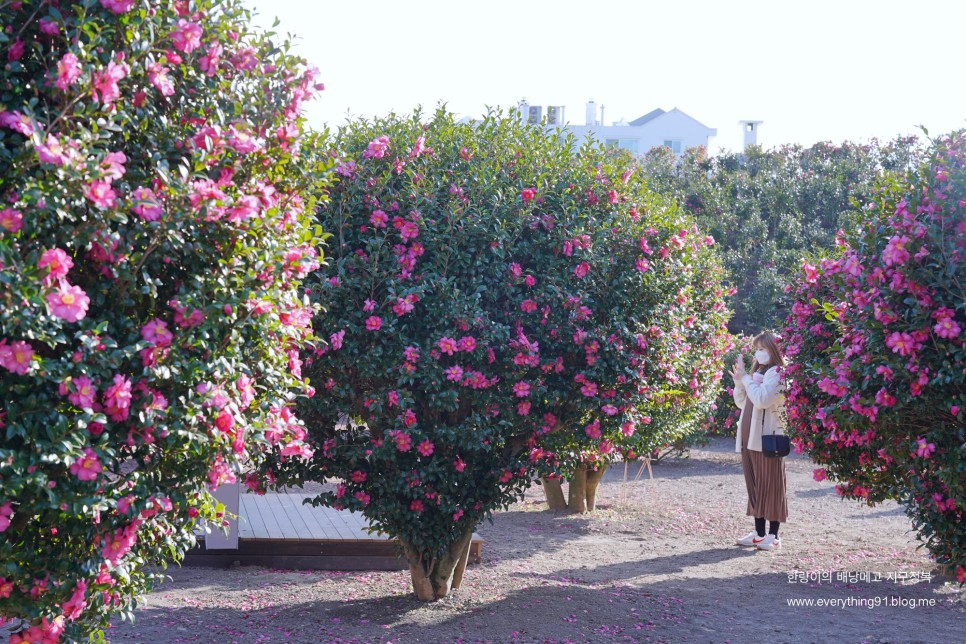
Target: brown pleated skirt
[764,478]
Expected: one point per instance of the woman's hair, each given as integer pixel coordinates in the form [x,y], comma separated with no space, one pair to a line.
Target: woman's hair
[767,341]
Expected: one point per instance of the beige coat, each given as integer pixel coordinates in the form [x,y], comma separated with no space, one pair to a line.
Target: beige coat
[767,400]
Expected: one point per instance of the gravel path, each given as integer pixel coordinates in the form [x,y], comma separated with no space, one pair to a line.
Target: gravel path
[654,563]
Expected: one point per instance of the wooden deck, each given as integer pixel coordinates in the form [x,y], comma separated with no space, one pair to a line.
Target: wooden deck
[279,531]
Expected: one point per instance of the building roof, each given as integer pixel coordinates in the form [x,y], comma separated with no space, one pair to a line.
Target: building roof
[650,116]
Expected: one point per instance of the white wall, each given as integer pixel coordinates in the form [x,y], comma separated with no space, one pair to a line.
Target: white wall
[673,125]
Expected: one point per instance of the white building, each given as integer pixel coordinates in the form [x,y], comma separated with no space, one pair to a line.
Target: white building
[674,129]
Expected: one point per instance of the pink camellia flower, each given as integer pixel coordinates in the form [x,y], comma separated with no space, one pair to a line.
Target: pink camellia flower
[84,394]
[117,6]
[6,511]
[100,193]
[425,448]
[593,429]
[113,165]
[420,148]
[610,410]
[811,274]
[246,390]
[447,345]
[528,306]
[417,506]
[336,339]
[457,514]
[209,62]
[120,542]
[17,357]
[369,305]
[901,343]
[156,332]
[454,373]
[373,323]
[52,151]
[377,148]
[187,37]
[17,122]
[628,428]
[68,303]
[589,389]
[49,27]
[158,77]
[225,423]
[117,398]
[362,497]
[924,449]
[819,474]
[523,408]
[521,389]
[528,194]
[74,607]
[11,220]
[404,441]
[409,418]
[105,82]
[378,219]
[87,467]
[403,305]
[411,354]
[57,262]
[409,231]
[582,269]
[884,398]
[954,410]
[68,71]
[895,253]
[946,327]
[145,205]
[245,59]
[15,51]
[459,465]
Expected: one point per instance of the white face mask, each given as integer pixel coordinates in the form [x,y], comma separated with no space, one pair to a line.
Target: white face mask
[762,356]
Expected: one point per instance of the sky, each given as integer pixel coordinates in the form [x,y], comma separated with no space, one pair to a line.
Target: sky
[811,70]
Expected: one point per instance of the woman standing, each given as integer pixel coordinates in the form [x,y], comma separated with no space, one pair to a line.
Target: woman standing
[759,396]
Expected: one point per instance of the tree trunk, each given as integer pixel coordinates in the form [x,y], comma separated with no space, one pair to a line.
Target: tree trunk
[577,490]
[433,578]
[461,566]
[593,480]
[553,488]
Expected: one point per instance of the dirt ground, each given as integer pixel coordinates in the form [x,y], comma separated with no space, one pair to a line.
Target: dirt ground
[655,563]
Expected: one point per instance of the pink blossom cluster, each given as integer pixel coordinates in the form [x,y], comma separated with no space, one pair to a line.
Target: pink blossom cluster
[872,389]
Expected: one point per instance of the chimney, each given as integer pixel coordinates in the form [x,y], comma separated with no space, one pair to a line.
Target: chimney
[591,113]
[524,109]
[750,129]
[555,115]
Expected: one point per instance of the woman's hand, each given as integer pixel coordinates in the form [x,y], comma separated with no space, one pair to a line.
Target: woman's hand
[738,369]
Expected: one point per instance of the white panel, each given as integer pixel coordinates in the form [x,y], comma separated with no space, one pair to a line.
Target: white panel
[216,539]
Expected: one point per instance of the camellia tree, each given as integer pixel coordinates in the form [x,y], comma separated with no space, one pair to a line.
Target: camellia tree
[154,226]
[766,208]
[878,380]
[494,294]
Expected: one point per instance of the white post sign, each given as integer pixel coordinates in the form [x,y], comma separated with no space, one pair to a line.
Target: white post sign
[216,539]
